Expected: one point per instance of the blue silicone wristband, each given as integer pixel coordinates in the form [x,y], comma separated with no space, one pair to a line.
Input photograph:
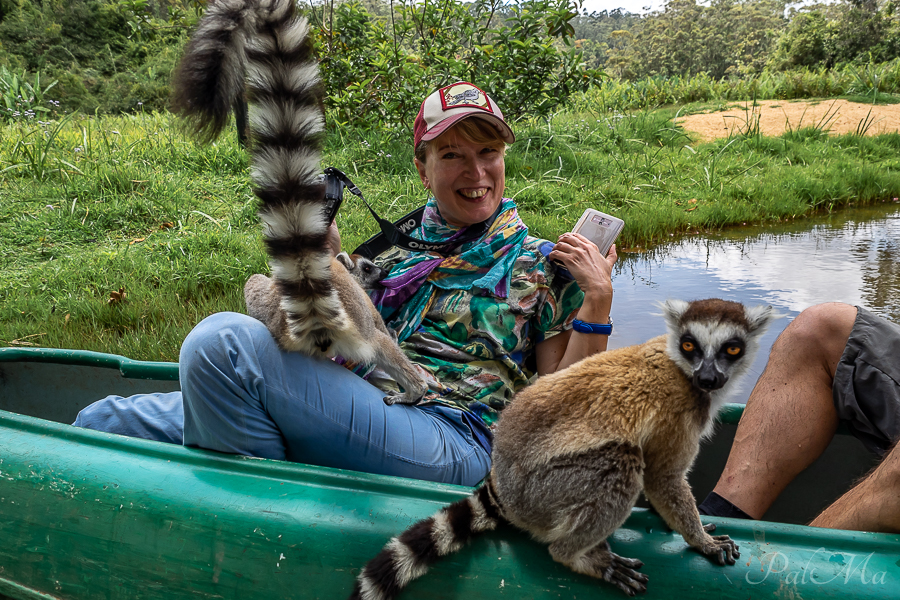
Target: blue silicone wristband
[582,327]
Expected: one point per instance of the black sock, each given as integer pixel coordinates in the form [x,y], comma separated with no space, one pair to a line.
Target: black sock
[717,506]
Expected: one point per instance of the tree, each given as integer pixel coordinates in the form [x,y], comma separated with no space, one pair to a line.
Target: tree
[598,32]
[825,35]
[726,37]
[805,42]
[377,70]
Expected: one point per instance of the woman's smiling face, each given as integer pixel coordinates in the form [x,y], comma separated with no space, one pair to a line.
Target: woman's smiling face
[467,178]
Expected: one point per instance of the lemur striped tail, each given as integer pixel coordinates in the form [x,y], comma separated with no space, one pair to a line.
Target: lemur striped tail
[408,556]
[209,79]
[287,126]
[265,43]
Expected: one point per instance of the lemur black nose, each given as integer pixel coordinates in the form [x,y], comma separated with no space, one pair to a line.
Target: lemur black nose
[708,378]
[708,385]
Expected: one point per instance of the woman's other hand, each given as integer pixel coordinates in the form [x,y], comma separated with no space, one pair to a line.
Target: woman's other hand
[591,270]
[593,273]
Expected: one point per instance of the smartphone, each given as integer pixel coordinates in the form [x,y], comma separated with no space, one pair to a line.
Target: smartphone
[600,228]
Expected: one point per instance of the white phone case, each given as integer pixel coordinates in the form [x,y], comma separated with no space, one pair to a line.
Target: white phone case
[600,228]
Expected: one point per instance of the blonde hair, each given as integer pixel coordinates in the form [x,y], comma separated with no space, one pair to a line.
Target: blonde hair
[474,130]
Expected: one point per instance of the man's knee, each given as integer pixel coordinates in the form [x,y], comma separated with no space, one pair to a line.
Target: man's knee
[819,333]
[890,464]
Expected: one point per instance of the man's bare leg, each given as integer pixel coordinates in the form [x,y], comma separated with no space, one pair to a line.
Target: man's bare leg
[790,417]
[872,505]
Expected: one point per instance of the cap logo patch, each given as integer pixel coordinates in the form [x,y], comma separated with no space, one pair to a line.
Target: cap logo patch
[464,95]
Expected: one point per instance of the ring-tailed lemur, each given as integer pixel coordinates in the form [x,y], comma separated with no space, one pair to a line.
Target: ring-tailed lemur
[573,451]
[264,303]
[321,308]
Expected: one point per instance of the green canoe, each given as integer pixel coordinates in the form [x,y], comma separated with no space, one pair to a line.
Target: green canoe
[92,515]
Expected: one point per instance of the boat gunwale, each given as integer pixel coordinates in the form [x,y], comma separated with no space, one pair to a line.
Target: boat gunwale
[130,368]
[302,473]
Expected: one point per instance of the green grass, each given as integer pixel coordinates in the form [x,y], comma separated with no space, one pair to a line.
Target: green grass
[878,82]
[92,205]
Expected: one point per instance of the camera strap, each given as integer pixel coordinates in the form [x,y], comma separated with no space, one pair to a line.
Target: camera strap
[396,234]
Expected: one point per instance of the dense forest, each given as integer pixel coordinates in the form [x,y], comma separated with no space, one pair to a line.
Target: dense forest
[380,56]
[726,38]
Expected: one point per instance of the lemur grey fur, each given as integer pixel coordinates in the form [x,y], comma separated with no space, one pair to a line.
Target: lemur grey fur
[264,303]
[319,307]
[573,451]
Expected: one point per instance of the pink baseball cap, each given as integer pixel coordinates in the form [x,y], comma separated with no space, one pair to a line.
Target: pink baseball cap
[455,102]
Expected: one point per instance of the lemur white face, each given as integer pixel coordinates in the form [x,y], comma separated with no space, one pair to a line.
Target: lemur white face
[712,352]
[713,341]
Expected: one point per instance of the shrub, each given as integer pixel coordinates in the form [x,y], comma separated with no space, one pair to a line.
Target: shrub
[22,100]
[377,70]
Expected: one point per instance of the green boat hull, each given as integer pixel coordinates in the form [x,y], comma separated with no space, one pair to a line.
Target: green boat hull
[85,514]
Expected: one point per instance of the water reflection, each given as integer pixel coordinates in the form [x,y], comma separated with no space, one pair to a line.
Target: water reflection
[849,257]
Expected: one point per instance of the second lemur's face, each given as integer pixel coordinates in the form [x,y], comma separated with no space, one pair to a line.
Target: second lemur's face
[714,341]
[466,178]
[712,352]
[366,273]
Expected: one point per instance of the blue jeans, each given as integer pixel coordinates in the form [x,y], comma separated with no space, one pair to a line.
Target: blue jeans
[242,395]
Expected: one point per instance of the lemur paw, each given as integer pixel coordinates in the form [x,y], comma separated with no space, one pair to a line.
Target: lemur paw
[721,549]
[622,573]
[404,398]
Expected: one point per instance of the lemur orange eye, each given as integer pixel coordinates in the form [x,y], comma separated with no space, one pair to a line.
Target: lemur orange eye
[687,346]
[733,350]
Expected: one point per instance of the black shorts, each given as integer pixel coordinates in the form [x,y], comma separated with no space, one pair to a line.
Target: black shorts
[866,387]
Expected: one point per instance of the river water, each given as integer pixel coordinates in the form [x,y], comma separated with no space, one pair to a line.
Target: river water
[851,256]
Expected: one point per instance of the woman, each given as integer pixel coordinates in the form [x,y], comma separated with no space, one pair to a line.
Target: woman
[479,323]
